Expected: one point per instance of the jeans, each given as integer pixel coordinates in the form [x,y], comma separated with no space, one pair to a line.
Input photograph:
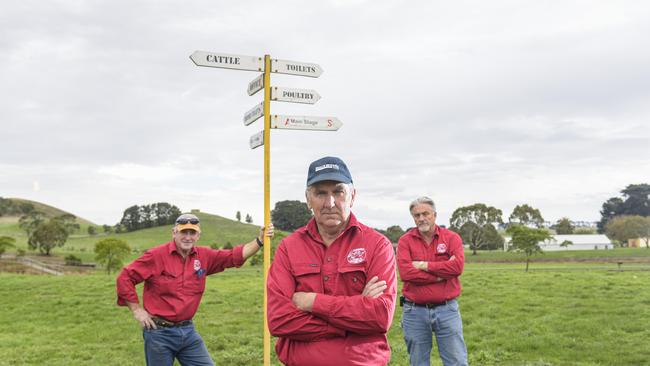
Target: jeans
[419,323]
[162,345]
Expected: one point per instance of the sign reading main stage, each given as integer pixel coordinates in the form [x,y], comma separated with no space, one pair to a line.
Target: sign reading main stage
[305,123]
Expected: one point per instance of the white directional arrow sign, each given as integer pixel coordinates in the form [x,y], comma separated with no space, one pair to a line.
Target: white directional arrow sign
[256,85]
[257,140]
[227,61]
[296,68]
[307,96]
[255,113]
[305,123]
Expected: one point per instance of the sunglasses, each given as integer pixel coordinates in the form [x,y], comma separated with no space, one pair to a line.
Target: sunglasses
[185,221]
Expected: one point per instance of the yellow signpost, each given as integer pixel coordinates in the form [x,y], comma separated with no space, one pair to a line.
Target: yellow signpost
[267,66]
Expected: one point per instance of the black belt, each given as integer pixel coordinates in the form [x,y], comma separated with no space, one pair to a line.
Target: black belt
[167,324]
[429,305]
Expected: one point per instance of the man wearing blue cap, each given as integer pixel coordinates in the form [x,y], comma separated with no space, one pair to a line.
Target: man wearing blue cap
[332,284]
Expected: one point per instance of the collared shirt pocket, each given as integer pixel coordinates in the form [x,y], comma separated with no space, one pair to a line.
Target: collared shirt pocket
[167,283]
[352,280]
[307,277]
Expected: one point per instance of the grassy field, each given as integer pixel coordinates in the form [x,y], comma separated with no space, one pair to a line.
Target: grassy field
[577,314]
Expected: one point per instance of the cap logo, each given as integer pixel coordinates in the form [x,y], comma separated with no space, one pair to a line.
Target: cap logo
[357,255]
[327,166]
[441,248]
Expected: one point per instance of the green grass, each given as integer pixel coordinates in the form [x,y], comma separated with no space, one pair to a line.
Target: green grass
[560,255]
[553,315]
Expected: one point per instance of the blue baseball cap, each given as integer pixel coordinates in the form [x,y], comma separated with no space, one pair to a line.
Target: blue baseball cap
[328,168]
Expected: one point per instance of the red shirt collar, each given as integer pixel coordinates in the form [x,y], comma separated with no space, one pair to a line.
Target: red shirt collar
[312,229]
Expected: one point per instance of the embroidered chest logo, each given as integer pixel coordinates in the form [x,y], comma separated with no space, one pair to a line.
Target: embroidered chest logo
[357,255]
[441,248]
[197,264]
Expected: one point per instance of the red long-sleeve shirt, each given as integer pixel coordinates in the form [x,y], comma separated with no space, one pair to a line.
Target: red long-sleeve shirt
[344,327]
[173,285]
[440,282]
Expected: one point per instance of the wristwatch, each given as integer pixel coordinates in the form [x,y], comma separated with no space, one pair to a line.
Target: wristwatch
[259,242]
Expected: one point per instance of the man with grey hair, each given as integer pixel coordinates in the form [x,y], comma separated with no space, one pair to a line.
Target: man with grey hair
[430,259]
[332,284]
[174,280]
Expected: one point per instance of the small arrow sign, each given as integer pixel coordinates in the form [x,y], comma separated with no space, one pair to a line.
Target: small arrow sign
[307,96]
[257,140]
[305,123]
[296,68]
[256,85]
[227,61]
[253,114]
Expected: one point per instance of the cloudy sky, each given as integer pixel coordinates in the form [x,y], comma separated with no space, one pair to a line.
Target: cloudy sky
[499,102]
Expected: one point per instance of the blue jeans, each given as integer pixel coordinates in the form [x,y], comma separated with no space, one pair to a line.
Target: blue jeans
[419,323]
[162,345]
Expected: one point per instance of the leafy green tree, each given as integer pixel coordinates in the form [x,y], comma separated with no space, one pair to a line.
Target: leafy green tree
[635,201]
[6,242]
[146,216]
[48,235]
[31,221]
[476,225]
[564,226]
[92,231]
[623,228]
[238,216]
[69,222]
[566,243]
[132,218]
[111,253]
[526,215]
[107,228]
[493,238]
[393,233]
[249,219]
[525,239]
[289,215]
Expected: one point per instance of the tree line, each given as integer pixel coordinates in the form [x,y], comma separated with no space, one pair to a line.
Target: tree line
[479,224]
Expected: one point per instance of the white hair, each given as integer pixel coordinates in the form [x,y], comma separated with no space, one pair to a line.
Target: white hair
[422,200]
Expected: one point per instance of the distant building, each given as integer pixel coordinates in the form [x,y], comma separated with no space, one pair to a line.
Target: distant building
[638,242]
[580,242]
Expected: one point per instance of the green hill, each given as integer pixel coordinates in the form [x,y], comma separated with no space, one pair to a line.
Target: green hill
[48,210]
[216,230]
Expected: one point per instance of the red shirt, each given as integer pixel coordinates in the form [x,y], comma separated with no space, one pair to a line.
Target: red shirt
[440,282]
[173,286]
[344,327]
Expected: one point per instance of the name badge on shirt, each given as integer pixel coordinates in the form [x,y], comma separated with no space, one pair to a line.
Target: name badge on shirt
[357,255]
[441,248]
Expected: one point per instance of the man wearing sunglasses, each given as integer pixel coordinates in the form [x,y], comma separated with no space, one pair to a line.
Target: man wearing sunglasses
[332,284]
[174,280]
